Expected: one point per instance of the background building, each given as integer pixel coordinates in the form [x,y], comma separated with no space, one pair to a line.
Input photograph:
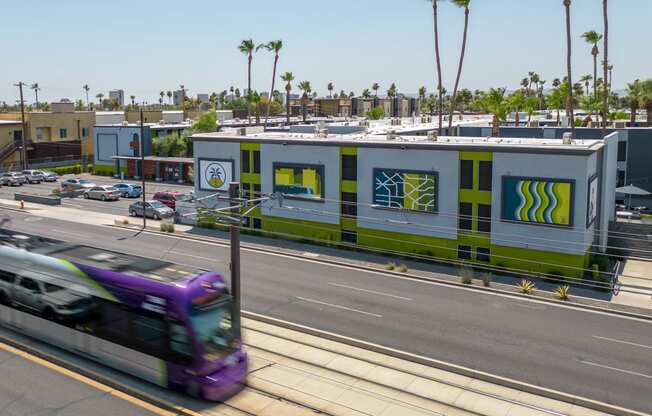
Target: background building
[119,96]
[533,205]
[119,140]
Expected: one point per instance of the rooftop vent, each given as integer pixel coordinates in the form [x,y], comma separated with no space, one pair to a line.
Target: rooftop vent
[567,138]
[391,135]
[432,136]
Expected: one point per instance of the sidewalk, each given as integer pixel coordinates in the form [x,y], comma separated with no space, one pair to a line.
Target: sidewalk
[636,273]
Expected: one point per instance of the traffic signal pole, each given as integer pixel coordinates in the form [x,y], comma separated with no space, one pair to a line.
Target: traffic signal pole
[234,200]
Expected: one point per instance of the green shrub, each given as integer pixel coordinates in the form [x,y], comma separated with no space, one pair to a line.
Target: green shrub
[486,279]
[376,113]
[562,292]
[390,266]
[67,170]
[104,170]
[402,268]
[466,275]
[526,286]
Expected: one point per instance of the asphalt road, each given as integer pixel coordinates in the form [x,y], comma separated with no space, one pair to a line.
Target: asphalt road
[599,356]
[29,388]
[119,207]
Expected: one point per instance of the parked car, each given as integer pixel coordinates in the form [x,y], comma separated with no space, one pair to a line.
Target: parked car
[74,184]
[170,198]
[153,209]
[13,179]
[129,190]
[33,176]
[105,193]
[50,300]
[49,176]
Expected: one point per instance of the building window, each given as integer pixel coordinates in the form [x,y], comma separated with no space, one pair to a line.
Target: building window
[63,133]
[257,224]
[246,191]
[483,254]
[39,133]
[349,237]
[621,178]
[484,218]
[84,131]
[256,161]
[349,204]
[466,174]
[464,252]
[622,151]
[349,167]
[486,168]
[245,160]
[465,221]
[257,190]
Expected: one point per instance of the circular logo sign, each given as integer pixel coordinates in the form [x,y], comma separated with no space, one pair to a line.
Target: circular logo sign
[215,175]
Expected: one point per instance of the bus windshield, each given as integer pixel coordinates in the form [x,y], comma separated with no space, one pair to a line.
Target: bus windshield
[212,324]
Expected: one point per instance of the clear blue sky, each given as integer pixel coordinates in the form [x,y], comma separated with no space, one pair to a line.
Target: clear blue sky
[144,46]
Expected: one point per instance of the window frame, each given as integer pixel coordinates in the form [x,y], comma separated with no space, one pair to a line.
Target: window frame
[350,168]
[245,161]
[256,165]
[484,220]
[63,133]
[488,186]
[463,219]
[463,163]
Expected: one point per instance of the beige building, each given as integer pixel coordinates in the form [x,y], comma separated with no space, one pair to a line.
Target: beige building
[11,133]
[336,107]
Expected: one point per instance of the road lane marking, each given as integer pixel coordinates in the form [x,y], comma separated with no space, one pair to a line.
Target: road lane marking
[633,373]
[67,232]
[369,291]
[623,342]
[86,380]
[178,253]
[318,302]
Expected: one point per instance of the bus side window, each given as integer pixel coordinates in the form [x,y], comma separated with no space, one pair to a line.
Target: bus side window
[180,339]
[149,332]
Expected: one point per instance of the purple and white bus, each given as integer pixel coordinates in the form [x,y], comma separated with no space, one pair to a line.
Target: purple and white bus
[159,321]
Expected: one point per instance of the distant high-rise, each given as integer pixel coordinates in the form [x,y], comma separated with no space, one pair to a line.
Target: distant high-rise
[177,97]
[119,96]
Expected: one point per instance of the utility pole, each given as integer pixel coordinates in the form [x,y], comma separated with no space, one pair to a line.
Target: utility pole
[234,199]
[23,152]
[142,164]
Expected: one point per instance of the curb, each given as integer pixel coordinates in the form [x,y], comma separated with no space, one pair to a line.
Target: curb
[170,407]
[453,368]
[414,277]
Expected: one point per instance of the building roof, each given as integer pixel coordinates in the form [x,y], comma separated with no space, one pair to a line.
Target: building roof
[10,122]
[497,144]
[152,126]
[158,159]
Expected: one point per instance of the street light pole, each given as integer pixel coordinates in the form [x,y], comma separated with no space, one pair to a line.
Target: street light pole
[23,152]
[234,200]
[142,165]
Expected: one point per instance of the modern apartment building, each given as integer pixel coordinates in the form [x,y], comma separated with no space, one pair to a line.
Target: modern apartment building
[119,96]
[533,205]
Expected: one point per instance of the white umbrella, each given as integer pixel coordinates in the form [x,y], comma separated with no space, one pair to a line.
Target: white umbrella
[630,190]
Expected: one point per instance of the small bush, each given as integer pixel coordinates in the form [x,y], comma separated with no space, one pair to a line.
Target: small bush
[526,286]
[402,268]
[56,191]
[486,279]
[562,292]
[466,275]
[125,221]
[66,170]
[390,266]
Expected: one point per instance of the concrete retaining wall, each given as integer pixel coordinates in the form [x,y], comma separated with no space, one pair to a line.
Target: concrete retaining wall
[37,199]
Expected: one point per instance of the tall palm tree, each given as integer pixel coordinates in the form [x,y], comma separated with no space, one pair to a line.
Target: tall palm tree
[133,99]
[516,102]
[99,99]
[556,83]
[36,89]
[86,89]
[635,96]
[495,104]
[232,90]
[330,88]
[375,87]
[569,67]
[422,93]
[162,94]
[525,82]
[646,98]
[607,80]
[169,94]
[247,47]
[366,93]
[586,79]
[307,89]
[465,5]
[272,46]
[440,89]
[391,92]
[288,77]
[592,37]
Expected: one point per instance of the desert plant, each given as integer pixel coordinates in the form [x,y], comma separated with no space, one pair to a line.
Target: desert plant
[167,226]
[526,286]
[562,292]
[486,279]
[402,268]
[390,266]
[125,221]
[466,275]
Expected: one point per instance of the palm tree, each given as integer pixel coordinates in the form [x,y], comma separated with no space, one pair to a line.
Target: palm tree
[646,92]
[592,37]
[36,89]
[465,5]
[288,77]
[556,83]
[391,92]
[422,93]
[232,90]
[366,93]
[375,87]
[162,94]
[494,103]
[525,82]
[516,102]
[531,104]
[635,96]
[569,68]
[330,88]
[133,99]
[99,99]
[586,79]
[556,100]
[272,46]
[438,62]
[169,94]
[307,89]
[86,89]
[607,71]
[247,47]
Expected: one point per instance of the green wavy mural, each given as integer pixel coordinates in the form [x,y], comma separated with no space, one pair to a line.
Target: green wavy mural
[537,201]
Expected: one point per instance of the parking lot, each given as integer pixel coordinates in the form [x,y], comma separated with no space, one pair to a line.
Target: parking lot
[119,207]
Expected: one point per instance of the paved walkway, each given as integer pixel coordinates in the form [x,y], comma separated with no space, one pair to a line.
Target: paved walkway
[635,273]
